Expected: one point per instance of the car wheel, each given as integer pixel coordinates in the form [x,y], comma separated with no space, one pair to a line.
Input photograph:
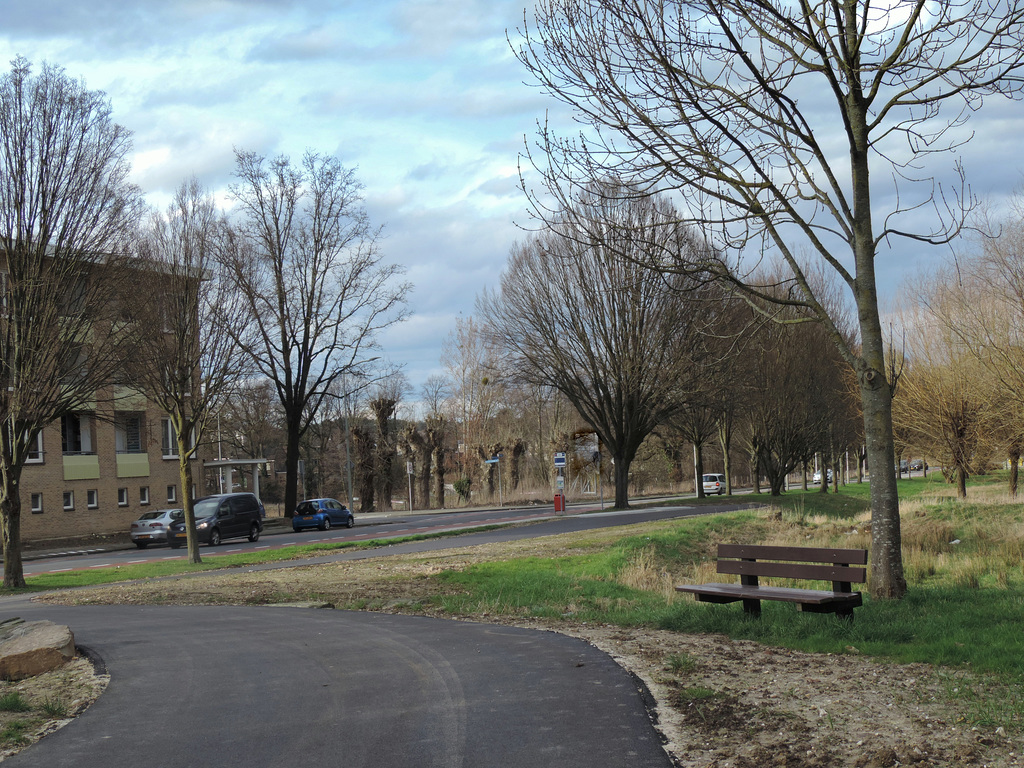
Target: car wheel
[721,491]
[215,537]
[175,546]
[141,544]
[325,524]
[254,532]
[350,522]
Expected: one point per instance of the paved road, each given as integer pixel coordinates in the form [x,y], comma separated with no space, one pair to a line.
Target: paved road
[288,688]
[542,524]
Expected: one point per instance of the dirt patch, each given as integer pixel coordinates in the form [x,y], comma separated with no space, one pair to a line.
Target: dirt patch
[721,703]
[36,706]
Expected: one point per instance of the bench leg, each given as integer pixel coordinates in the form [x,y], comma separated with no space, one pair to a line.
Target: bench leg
[752,607]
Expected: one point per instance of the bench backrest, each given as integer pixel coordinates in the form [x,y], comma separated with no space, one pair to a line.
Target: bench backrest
[812,563]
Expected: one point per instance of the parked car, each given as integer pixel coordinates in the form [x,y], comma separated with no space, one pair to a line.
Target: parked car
[816,479]
[917,465]
[714,484]
[322,514]
[151,528]
[224,516]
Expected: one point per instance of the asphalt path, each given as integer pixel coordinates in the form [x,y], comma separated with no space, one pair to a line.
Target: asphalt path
[292,687]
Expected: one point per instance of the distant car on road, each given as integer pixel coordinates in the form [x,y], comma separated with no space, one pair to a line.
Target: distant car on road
[917,465]
[322,514]
[151,527]
[714,484]
[817,476]
[225,516]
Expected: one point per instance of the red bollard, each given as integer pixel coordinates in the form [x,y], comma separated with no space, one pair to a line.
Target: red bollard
[559,502]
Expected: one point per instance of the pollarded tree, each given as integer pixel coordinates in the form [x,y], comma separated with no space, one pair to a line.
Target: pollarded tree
[315,282]
[981,305]
[620,341]
[781,124]
[942,404]
[189,317]
[68,216]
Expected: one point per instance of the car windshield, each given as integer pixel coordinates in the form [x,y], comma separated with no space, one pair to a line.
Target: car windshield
[207,507]
[152,515]
[710,478]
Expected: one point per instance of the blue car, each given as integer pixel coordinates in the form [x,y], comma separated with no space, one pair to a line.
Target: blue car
[322,514]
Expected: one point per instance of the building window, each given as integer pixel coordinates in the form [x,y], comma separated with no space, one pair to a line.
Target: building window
[122,497]
[169,439]
[128,433]
[69,499]
[172,493]
[35,449]
[92,498]
[37,503]
[144,495]
[76,434]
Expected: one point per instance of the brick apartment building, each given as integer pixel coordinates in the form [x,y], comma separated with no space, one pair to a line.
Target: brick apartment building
[96,471]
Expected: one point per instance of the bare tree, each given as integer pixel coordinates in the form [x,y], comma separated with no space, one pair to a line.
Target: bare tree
[252,424]
[67,218]
[578,314]
[383,406]
[190,317]
[315,282]
[778,123]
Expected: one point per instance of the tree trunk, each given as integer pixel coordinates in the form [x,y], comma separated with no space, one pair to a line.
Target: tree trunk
[698,469]
[621,483]
[887,579]
[725,438]
[185,478]
[1014,457]
[10,515]
[291,469]
[439,476]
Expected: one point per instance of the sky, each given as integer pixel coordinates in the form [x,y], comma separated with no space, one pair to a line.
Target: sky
[423,97]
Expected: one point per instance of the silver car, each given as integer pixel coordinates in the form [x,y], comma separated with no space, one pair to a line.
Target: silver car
[152,527]
[714,484]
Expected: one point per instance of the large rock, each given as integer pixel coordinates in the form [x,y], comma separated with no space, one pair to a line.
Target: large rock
[30,648]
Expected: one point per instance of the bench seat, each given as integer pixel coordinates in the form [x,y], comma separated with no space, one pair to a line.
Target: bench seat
[730,593]
[749,562]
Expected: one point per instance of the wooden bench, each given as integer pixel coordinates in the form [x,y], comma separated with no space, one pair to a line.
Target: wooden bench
[807,563]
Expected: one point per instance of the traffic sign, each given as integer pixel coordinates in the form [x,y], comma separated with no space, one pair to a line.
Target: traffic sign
[559,459]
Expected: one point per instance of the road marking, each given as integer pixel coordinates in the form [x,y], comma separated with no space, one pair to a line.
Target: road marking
[61,570]
[133,562]
[101,565]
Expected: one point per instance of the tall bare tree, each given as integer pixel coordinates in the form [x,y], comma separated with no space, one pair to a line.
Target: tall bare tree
[190,317]
[68,216]
[781,125]
[619,340]
[315,282]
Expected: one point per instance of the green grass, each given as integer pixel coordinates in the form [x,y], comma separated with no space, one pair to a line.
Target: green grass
[14,702]
[15,733]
